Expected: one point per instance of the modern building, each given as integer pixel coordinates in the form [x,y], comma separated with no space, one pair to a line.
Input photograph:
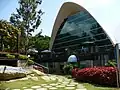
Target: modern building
[89,29]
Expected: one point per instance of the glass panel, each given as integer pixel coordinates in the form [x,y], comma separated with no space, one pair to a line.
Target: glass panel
[81,30]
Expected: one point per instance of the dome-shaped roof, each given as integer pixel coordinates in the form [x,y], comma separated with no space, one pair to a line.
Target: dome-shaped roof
[72,58]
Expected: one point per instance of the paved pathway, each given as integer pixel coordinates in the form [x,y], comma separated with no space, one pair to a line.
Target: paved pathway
[62,84]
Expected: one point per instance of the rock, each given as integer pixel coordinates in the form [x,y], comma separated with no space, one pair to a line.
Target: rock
[24,87]
[46,78]
[70,85]
[65,82]
[69,88]
[35,78]
[80,86]
[53,84]
[41,89]
[47,86]
[35,87]
[38,72]
[9,72]
[60,86]
[53,88]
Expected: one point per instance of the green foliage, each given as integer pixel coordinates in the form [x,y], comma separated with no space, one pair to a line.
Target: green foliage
[68,68]
[75,64]
[30,62]
[9,35]
[28,16]
[22,57]
[28,19]
[111,63]
[39,42]
[10,56]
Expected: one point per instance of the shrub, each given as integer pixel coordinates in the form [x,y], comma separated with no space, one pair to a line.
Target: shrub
[111,63]
[30,62]
[22,57]
[74,72]
[98,75]
[10,56]
[68,68]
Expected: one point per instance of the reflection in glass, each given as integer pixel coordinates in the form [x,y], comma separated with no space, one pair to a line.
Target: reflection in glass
[78,29]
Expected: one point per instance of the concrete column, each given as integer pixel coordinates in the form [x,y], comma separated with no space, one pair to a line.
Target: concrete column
[57,67]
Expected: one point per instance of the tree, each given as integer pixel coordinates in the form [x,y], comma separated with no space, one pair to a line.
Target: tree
[27,19]
[39,42]
[9,34]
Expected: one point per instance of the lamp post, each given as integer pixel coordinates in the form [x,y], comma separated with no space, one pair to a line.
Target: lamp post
[118,64]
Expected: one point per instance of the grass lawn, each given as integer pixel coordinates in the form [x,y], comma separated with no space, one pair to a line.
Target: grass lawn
[89,86]
[93,87]
[29,83]
[23,83]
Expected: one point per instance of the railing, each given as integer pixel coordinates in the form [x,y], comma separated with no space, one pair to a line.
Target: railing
[45,68]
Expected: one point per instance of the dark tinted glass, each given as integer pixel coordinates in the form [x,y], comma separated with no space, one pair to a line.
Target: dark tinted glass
[81,30]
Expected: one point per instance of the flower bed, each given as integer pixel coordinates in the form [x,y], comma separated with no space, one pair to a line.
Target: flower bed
[98,75]
[74,72]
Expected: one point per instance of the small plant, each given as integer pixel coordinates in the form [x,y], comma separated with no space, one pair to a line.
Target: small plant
[111,63]
[22,57]
[68,68]
[30,62]
[10,56]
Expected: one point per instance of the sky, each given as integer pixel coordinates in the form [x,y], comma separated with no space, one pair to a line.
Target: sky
[106,12]
[50,7]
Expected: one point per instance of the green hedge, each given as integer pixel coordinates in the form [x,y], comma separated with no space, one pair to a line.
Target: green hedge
[22,57]
[10,56]
[67,68]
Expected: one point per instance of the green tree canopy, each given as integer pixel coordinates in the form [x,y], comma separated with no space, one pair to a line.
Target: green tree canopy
[39,42]
[9,34]
[28,18]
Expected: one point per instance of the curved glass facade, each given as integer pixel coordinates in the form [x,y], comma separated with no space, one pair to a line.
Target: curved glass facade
[81,33]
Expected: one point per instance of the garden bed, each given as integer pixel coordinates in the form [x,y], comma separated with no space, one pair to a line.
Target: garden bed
[98,75]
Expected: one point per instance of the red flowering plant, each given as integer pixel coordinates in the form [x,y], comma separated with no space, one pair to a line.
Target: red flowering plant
[98,75]
[74,72]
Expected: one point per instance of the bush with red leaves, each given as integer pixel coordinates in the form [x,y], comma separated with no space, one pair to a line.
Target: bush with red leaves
[98,75]
[74,72]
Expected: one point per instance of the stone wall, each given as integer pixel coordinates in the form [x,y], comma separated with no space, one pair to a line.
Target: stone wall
[8,72]
[21,63]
